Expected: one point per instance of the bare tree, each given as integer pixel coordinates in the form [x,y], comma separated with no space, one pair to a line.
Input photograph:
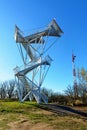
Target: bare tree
[82,86]
[10,88]
[69,92]
[3,92]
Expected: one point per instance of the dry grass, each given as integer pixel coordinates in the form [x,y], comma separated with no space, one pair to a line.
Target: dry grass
[81,108]
[27,116]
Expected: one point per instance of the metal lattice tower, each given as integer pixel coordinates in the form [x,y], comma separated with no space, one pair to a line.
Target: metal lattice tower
[33,49]
[74,77]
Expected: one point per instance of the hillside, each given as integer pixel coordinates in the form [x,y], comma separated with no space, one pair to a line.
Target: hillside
[28,116]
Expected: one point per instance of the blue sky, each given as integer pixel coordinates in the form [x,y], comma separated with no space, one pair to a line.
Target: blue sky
[71,15]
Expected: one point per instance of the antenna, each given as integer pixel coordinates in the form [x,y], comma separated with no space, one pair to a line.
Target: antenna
[36,61]
[74,76]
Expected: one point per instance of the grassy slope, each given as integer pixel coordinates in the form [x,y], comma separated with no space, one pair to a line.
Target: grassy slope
[15,111]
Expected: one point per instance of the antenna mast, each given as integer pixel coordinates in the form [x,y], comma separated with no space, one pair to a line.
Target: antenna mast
[74,77]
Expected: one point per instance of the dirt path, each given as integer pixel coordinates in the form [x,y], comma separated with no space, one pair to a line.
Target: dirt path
[63,110]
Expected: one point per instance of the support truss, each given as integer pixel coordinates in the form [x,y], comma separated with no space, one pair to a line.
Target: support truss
[33,49]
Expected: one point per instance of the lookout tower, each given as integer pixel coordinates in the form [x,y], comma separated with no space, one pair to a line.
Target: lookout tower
[33,49]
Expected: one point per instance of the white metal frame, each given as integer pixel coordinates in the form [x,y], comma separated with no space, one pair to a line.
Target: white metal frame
[35,63]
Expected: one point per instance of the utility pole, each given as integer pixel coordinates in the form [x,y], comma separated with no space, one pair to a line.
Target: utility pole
[74,77]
